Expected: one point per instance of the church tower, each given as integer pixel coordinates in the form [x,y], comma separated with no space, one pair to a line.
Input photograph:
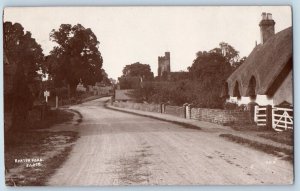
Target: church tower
[164,64]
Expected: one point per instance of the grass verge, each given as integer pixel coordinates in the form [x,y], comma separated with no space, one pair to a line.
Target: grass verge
[283,153]
[51,118]
[23,148]
[286,137]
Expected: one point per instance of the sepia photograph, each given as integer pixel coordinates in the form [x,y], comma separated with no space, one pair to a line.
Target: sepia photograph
[148,95]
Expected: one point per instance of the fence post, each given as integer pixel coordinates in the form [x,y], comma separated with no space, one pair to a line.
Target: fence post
[269,117]
[163,108]
[255,113]
[189,107]
[253,110]
[185,110]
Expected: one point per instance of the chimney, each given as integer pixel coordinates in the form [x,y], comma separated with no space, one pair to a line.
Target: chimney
[267,29]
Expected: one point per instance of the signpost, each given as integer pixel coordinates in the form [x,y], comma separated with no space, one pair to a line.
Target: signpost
[46,95]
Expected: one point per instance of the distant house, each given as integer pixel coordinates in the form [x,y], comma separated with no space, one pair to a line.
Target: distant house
[80,87]
[100,89]
[266,75]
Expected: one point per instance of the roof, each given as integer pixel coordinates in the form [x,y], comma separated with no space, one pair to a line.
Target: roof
[124,95]
[266,62]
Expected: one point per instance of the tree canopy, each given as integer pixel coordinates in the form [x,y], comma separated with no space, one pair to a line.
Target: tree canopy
[138,70]
[105,79]
[22,81]
[76,58]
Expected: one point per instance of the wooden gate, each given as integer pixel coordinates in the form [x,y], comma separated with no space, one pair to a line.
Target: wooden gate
[282,118]
[260,115]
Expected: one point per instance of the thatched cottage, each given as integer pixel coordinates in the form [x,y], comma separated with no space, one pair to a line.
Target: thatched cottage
[266,75]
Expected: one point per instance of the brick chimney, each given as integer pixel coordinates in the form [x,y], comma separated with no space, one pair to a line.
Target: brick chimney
[267,29]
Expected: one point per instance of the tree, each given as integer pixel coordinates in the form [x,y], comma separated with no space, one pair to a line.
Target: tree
[76,58]
[208,72]
[25,58]
[138,70]
[229,53]
[239,62]
[105,79]
[201,86]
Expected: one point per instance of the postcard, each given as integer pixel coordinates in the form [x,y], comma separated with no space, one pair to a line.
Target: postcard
[148,95]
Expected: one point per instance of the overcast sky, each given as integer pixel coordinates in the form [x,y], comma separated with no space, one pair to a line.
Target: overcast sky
[141,34]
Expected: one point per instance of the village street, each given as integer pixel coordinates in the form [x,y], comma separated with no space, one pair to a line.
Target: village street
[117,148]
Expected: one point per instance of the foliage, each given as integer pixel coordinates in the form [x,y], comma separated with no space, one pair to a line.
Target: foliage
[129,83]
[105,79]
[230,106]
[237,64]
[203,83]
[25,58]
[76,58]
[138,70]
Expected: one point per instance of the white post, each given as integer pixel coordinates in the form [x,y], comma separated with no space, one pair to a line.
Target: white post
[56,100]
[273,118]
[255,113]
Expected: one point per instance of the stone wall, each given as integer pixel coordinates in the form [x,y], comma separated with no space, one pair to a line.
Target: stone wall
[139,106]
[220,116]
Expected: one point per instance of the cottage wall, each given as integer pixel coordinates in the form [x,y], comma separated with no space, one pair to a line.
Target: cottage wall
[260,100]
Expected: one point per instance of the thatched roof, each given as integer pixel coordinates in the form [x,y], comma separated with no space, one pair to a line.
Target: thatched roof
[266,63]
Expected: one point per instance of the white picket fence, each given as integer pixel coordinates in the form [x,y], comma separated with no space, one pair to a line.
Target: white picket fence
[282,118]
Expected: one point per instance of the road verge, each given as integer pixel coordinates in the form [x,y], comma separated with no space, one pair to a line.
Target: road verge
[34,155]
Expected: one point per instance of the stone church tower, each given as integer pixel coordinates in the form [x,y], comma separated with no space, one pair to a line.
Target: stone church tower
[164,64]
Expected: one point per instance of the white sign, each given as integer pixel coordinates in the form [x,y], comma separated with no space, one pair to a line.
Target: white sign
[46,94]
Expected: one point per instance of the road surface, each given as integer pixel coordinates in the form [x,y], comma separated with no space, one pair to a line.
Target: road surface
[117,148]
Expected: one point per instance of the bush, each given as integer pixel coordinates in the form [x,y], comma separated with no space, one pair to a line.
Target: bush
[230,106]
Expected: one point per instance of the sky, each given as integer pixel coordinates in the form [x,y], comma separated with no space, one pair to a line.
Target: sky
[141,34]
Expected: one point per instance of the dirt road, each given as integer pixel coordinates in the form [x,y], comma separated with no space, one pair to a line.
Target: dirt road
[117,148]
